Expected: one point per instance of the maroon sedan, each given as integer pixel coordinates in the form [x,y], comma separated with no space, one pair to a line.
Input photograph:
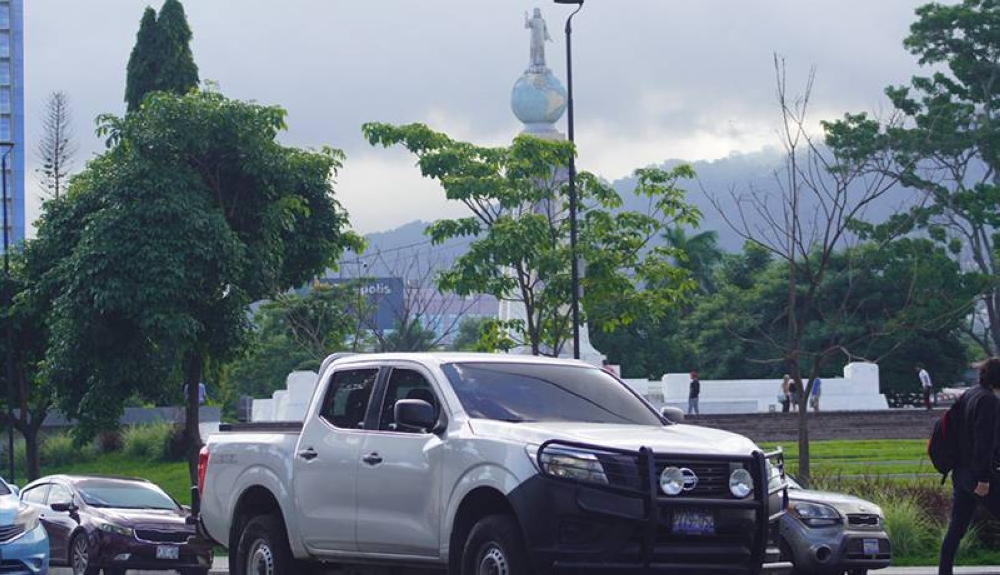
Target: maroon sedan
[114,524]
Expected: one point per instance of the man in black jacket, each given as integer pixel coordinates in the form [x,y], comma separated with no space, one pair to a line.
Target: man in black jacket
[972,477]
[694,389]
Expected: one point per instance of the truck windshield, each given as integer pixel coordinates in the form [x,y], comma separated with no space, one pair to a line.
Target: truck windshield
[522,392]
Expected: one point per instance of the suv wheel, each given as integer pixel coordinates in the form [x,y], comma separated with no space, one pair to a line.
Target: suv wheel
[79,556]
[263,548]
[495,547]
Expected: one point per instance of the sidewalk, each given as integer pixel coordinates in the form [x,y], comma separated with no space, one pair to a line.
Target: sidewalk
[932,570]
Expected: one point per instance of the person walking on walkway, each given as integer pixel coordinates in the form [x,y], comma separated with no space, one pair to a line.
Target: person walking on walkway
[694,390]
[814,394]
[973,481]
[925,384]
[786,399]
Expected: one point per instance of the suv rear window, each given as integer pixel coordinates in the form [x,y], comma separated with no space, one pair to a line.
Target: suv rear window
[538,392]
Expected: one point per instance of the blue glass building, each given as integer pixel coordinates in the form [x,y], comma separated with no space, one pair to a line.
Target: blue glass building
[12,111]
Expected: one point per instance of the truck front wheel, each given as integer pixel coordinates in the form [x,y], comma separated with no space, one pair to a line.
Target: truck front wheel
[495,547]
[263,548]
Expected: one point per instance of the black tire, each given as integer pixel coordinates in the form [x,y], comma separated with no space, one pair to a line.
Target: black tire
[79,556]
[195,571]
[264,545]
[495,546]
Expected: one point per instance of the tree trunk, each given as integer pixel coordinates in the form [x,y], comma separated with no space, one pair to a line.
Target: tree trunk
[192,435]
[31,451]
[803,474]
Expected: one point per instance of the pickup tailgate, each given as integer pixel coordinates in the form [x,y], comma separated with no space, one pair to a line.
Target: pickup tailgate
[241,457]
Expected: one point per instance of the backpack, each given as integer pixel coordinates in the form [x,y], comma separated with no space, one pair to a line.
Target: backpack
[943,445]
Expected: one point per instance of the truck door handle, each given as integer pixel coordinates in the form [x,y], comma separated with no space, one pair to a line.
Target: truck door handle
[372,459]
[308,454]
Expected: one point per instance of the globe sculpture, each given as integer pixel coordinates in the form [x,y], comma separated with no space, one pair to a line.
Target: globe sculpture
[538,100]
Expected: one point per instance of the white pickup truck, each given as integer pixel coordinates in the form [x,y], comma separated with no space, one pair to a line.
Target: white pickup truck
[485,464]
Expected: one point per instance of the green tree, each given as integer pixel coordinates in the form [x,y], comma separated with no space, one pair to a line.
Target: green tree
[470,332]
[194,211]
[943,141]
[143,63]
[520,249]
[177,72]
[161,59]
[699,254]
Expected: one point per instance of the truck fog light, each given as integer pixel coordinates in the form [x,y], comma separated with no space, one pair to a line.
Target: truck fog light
[671,481]
[740,483]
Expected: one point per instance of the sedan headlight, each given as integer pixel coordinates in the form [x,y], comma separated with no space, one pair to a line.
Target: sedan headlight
[27,517]
[113,529]
[568,464]
[814,514]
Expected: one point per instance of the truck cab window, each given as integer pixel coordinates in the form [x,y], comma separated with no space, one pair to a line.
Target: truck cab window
[404,384]
[347,396]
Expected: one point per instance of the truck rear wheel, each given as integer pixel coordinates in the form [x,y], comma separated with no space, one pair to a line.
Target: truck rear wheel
[263,548]
[495,547]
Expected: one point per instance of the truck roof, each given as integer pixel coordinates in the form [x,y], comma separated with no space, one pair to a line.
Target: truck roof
[444,357]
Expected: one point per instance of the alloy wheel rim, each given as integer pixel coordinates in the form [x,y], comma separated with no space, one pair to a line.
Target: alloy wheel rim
[261,559]
[80,556]
[493,562]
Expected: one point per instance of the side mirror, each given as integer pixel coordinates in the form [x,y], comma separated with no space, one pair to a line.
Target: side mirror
[68,507]
[415,414]
[674,414]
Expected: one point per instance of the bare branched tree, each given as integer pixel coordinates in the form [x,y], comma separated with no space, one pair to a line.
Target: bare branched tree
[425,319]
[820,197]
[57,146]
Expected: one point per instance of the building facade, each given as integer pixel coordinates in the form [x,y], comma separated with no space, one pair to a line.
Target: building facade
[12,113]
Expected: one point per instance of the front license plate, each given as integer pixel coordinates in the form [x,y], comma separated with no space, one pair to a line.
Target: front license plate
[694,523]
[167,552]
[871,546]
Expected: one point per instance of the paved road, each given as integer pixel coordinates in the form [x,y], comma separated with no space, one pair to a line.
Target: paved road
[220,569]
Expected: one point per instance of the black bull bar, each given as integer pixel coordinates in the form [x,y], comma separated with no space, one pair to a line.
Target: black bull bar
[757,463]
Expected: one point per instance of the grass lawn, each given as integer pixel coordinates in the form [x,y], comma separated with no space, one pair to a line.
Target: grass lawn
[172,476]
[899,457]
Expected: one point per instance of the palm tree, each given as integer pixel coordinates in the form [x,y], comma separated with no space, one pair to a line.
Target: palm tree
[698,254]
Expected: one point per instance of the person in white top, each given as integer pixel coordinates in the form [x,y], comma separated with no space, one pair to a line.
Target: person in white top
[925,384]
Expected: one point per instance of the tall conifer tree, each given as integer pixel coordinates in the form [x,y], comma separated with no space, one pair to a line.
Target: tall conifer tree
[161,59]
[178,72]
[143,64]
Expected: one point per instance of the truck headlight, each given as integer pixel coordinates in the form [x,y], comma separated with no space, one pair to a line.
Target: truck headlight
[568,464]
[814,514]
[672,481]
[27,517]
[740,483]
[113,529]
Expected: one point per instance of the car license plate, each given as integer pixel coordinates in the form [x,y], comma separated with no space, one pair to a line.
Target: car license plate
[871,546]
[167,552]
[694,523]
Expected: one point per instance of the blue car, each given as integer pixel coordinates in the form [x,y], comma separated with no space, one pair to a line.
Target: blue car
[24,546]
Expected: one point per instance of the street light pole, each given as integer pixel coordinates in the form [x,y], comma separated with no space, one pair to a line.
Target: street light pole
[9,331]
[575,260]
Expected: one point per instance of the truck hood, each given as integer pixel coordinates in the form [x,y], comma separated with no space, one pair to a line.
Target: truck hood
[677,438]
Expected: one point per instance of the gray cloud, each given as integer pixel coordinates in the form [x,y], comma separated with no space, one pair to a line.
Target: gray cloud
[654,79]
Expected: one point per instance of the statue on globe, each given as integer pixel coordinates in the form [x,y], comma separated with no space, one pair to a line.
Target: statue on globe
[539,36]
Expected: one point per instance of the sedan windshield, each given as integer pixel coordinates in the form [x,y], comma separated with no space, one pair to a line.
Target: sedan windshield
[122,495]
[521,392]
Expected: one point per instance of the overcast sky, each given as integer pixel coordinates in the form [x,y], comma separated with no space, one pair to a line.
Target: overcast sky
[654,79]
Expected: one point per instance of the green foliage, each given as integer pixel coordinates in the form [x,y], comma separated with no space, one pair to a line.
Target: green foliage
[148,442]
[517,202]
[194,211]
[897,303]
[945,123]
[143,63]
[908,526]
[470,333]
[62,449]
[161,59]
[409,336]
[295,332]
[177,72]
